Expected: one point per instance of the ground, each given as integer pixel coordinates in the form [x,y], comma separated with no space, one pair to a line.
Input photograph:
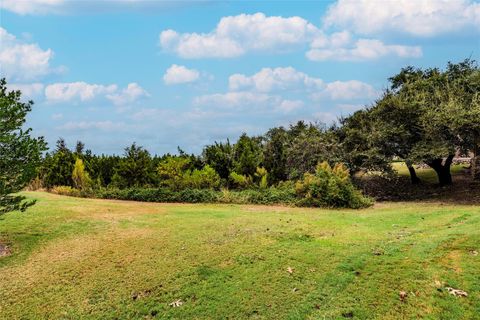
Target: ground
[72,258]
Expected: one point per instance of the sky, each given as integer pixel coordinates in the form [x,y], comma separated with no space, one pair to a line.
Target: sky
[188,73]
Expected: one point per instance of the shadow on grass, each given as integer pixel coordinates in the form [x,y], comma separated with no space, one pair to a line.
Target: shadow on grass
[464,189]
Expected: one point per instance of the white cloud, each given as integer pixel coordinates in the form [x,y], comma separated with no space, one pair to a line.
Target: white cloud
[61,92]
[23,61]
[247,101]
[39,7]
[82,91]
[346,90]
[268,79]
[130,94]
[288,106]
[232,99]
[288,80]
[88,125]
[363,49]
[180,74]
[32,6]
[237,35]
[415,17]
[29,90]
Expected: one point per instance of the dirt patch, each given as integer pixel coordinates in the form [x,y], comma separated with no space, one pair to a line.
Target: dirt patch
[4,250]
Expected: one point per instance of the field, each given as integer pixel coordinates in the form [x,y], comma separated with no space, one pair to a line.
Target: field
[77,258]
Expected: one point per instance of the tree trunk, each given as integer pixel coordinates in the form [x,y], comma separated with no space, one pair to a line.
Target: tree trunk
[413,175]
[442,170]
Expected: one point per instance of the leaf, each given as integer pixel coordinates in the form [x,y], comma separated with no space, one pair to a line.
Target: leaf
[403,295]
[290,270]
[176,303]
[457,292]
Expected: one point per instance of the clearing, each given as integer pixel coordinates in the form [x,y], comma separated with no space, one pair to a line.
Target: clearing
[72,258]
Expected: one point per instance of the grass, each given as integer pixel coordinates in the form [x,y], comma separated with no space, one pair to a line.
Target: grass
[97,259]
[425,174]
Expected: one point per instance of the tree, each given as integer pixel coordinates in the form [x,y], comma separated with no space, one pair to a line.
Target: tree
[20,154]
[424,116]
[247,155]
[58,167]
[219,156]
[81,179]
[275,154]
[172,170]
[309,145]
[135,169]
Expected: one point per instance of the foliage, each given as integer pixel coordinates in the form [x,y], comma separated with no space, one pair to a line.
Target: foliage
[219,156]
[240,181]
[275,154]
[247,155]
[262,177]
[171,171]
[66,191]
[57,167]
[134,169]
[20,154]
[310,144]
[330,187]
[81,179]
[205,178]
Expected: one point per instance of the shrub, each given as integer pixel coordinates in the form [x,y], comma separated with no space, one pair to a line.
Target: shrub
[330,187]
[66,191]
[206,178]
[172,171]
[81,179]
[262,175]
[240,181]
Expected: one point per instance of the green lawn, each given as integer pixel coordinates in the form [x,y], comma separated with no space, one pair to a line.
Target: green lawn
[425,174]
[97,259]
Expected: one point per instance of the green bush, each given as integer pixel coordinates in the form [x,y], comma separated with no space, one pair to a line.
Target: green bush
[206,178]
[240,181]
[330,187]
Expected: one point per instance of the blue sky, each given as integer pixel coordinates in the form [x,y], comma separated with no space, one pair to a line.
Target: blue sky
[187,73]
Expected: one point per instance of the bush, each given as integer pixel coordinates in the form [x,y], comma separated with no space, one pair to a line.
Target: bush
[160,195]
[206,178]
[240,181]
[66,191]
[330,187]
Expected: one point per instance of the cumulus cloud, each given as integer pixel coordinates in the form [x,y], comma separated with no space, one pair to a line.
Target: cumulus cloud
[268,79]
[247,101]
[290,80]
[237,35]
[29,90]
[82,91]
[23,61]
[61,92]
[346,90]
[130,94]
[180,74]
[363,49]
[418,18]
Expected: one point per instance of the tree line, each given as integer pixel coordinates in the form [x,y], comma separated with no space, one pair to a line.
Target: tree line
[423,116]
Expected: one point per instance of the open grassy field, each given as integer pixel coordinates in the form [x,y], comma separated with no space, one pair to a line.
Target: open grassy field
[96,259]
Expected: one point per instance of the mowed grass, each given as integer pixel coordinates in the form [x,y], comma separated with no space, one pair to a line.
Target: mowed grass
[96,259]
